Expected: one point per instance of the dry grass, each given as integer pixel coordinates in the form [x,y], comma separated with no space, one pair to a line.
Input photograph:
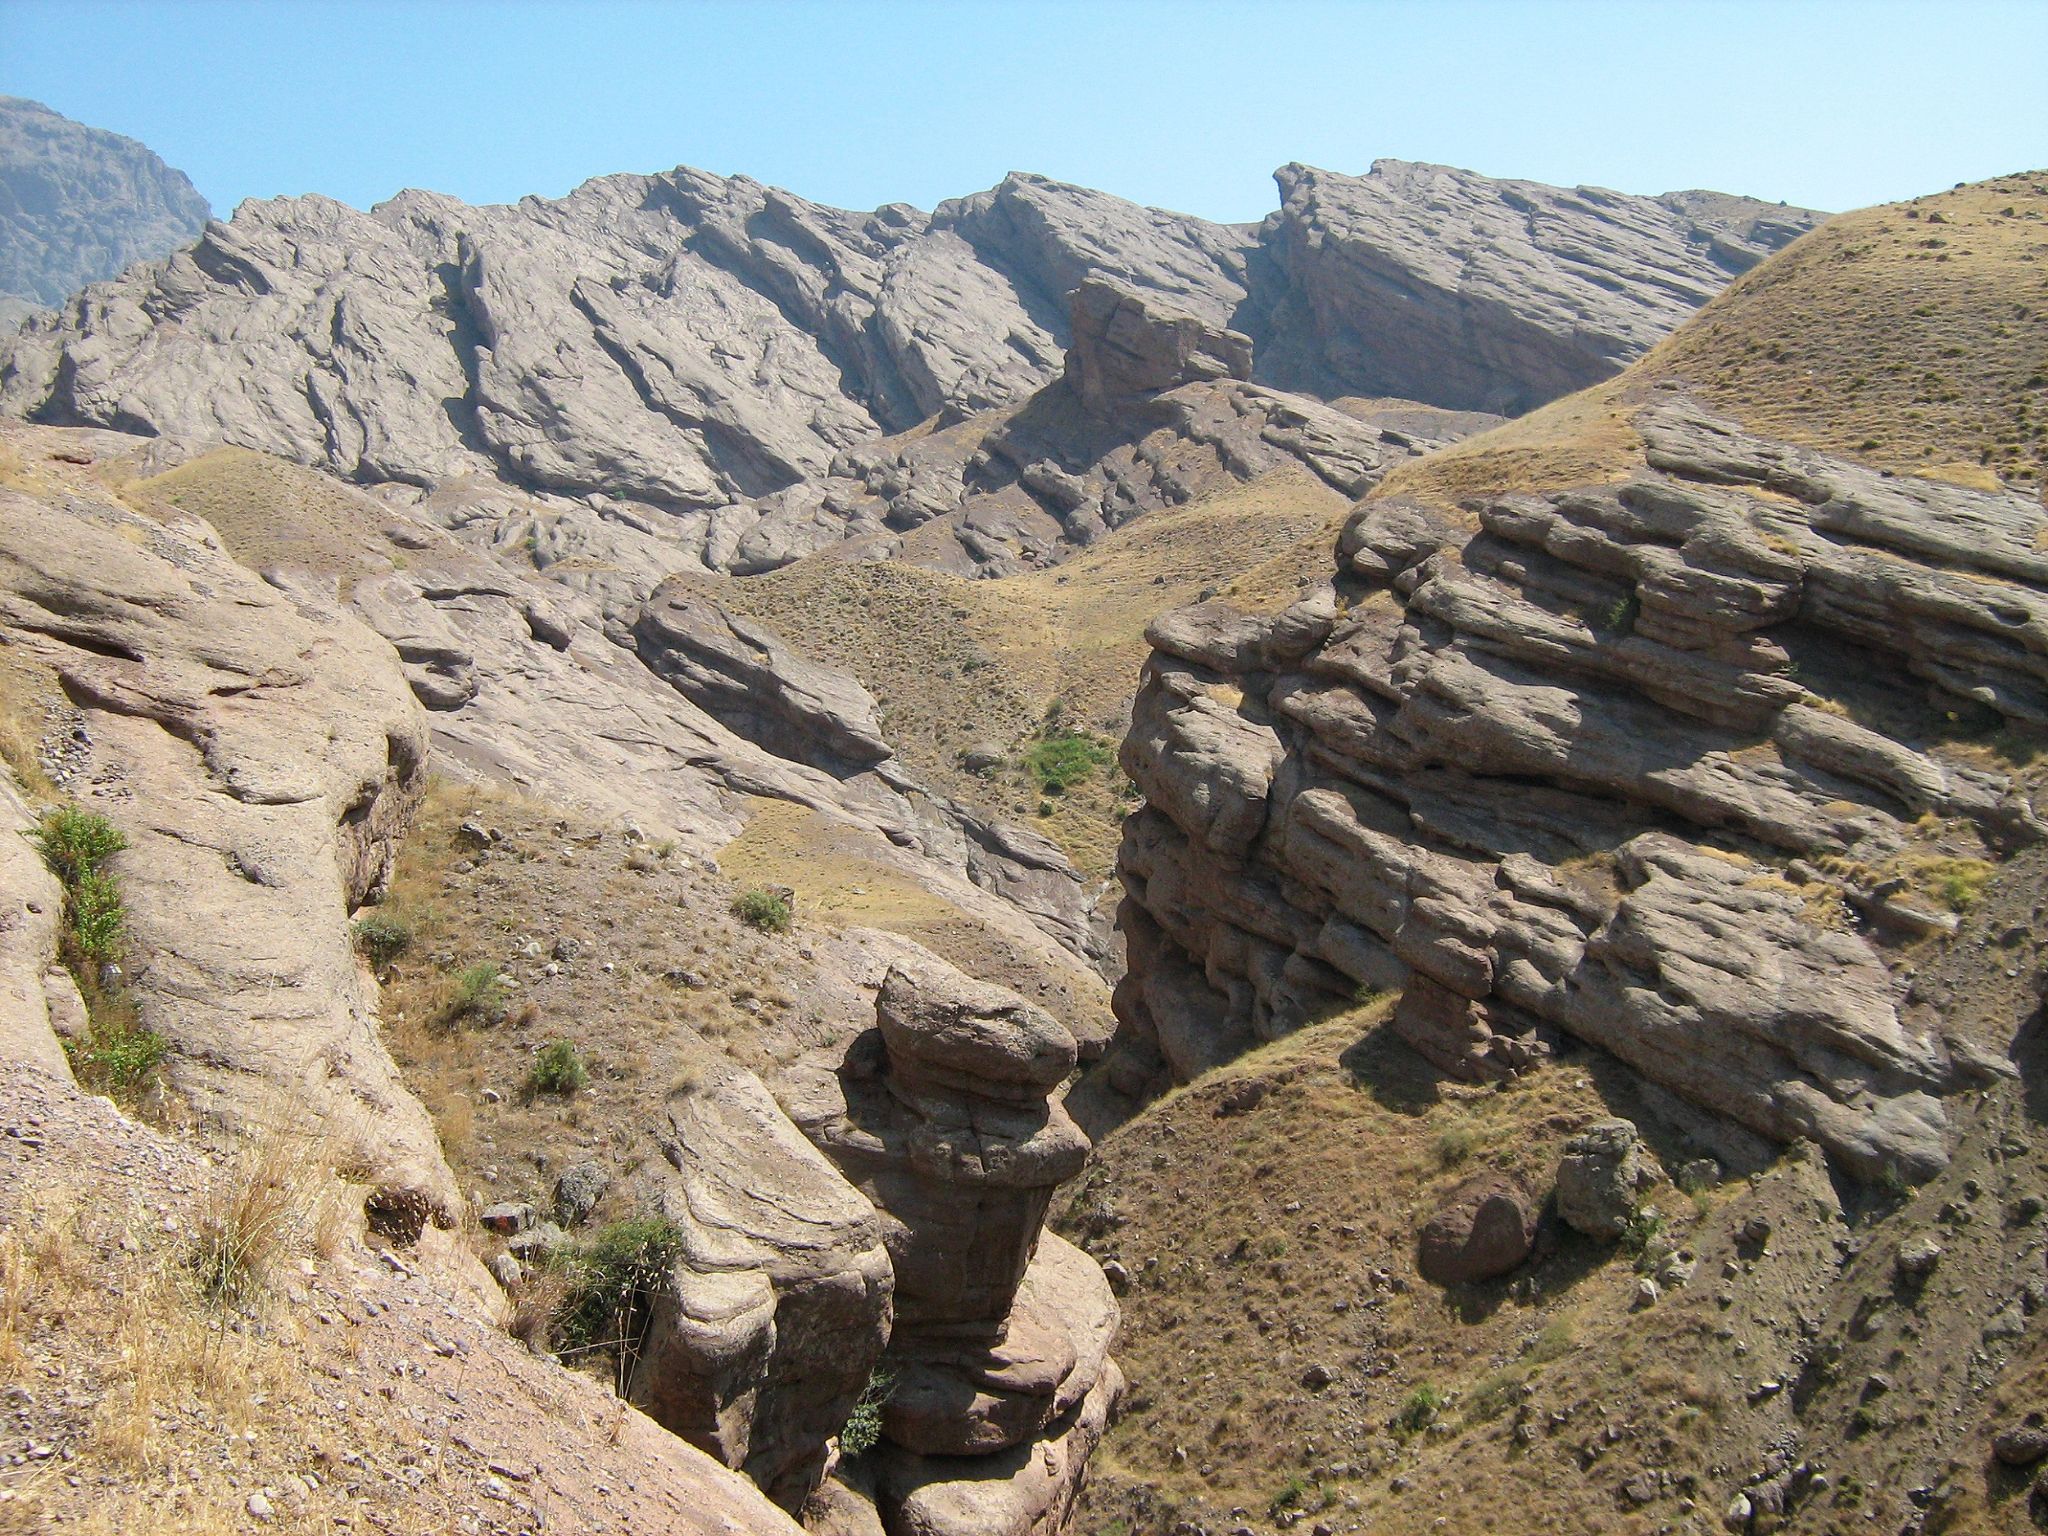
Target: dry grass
[188,1399]
[956,663]
[1583,439]
[270,512]
[1912,336]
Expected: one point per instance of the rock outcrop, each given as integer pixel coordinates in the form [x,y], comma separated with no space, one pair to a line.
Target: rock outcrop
[667,351]
[764,1331]
[260,754]
[947,1117]
[1632,765]
[1430,283]
[79,205]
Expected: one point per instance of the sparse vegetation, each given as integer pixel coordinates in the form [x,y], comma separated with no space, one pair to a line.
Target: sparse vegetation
[763,909]
[1062,758]
[116,1055]
[478,995]
[1418,1410]
[558,1069]
[381,937]
[605,1283]
[863,1429]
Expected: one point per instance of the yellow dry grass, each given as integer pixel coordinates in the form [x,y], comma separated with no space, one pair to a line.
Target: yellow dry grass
[269,512]
[1912,336]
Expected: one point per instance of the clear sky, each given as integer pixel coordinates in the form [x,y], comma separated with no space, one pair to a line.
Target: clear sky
[1186,104]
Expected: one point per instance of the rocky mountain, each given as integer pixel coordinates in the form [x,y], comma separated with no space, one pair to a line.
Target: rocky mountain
[674,349]
[1634,760]
[79,205]
[576,758]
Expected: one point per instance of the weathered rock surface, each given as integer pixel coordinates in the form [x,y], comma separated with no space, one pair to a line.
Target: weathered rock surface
[1484,1229]
[1431,283]
[947,1117]
[1598,1177]
[79,205]
[39,1002]
[1629,764]
[747,678]
[260,754]
[689,357]
[778,1306]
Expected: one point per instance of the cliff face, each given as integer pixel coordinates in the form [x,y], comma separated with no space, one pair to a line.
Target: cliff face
[1657,765]
[679,346]
[78,205]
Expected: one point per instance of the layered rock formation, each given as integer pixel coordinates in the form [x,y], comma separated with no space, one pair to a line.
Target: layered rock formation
[79,205]
[1154,409]
[1639,765]
[1436,284]
[947,1117]
[260,754]
[673,348]
[770,1319]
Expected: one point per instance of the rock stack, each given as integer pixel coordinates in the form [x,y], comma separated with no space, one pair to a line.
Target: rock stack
[947,1118]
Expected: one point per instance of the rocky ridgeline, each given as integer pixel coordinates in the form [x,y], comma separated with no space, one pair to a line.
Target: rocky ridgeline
[78,205]
[670,350]
[1652,766]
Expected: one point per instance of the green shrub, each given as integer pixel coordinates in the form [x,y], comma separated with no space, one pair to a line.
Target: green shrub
[762,909]
[1061,758]
[97,917]
[557,1068]
[863,1429]
[76,842]
[479,994]
[120,1060]
[1291,1493]
[1419,1410]
[607,1281]
[381,937]
[1455,1144]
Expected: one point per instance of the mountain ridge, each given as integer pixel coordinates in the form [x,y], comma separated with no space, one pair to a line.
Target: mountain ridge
[678,346]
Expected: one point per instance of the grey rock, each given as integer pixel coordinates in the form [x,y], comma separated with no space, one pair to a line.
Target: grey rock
[693,358]
[1402,796]
[1597,1178]
[578,1188]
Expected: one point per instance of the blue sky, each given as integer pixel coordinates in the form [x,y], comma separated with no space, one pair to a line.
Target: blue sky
[1188,105]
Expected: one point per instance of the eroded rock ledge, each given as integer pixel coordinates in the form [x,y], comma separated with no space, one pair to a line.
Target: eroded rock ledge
[1631,764]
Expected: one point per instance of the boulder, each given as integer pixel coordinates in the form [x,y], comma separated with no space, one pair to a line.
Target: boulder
[1597,1179]
[1486,1227]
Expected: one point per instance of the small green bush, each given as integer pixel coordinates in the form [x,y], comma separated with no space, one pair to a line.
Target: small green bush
[1455,1144]
[1291,1493]
[381,937]
[863,1430]
[608,1278]
[120,1060]
[558,1068]
[1061,758]
[479,994]
[1419,1410]
[97,917]
[763,909]
[76,842]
